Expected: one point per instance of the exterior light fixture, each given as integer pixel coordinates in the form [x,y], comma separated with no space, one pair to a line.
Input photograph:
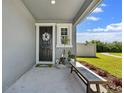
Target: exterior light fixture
[53,2]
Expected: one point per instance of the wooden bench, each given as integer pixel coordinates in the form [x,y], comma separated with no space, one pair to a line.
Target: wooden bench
[87,76]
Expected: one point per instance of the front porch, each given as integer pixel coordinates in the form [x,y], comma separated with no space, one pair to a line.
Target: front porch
[49,80]
[24,47]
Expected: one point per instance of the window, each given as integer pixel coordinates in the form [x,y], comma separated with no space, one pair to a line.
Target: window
[64,31]
[64,36]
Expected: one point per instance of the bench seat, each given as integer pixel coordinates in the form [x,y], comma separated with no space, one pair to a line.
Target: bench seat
[87,76]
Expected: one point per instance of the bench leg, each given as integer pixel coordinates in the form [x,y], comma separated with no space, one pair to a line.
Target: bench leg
[88,88]
[98,88]
[71,69]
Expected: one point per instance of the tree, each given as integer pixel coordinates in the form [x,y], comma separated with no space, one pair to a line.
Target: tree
[105,46]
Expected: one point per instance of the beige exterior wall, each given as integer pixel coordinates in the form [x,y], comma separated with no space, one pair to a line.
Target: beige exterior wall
[88,50]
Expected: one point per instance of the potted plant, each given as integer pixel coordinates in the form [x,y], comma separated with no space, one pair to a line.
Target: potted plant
[65,41]
[71,56]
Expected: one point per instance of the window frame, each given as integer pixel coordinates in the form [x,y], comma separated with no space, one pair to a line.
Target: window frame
[69,34]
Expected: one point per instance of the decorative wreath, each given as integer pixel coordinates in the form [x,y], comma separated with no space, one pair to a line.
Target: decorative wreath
[46,36]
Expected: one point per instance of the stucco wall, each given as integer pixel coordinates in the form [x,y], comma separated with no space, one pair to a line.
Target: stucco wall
[18,41]
[88,50]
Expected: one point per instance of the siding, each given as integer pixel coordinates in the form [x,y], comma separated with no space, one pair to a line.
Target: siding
[18,41]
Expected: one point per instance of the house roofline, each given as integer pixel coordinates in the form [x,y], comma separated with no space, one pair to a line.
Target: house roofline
[84,14]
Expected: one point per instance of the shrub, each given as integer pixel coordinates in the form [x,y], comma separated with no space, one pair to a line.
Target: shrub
[102,73]
[87,65]
[92,68]
[117,82]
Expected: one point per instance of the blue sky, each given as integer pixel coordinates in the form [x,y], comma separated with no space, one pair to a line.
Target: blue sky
[104,23]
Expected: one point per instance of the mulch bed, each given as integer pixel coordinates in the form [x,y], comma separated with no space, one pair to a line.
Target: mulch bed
[114,84]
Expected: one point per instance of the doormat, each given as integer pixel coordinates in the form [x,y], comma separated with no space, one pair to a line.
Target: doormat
[43,65]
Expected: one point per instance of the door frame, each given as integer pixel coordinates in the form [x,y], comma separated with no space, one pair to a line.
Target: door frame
[37,43]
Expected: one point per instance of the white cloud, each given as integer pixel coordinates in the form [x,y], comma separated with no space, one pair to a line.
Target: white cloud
[102,36]
[110,27]
[93,18]
[103,5]
[98,10]
[114,27]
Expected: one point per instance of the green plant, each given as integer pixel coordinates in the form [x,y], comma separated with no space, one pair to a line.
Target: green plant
[38,65]
[69,53]
[49,65]
[72,56]
[65,40]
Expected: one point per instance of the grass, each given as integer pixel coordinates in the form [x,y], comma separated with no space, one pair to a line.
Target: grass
[116,54]
[110,64]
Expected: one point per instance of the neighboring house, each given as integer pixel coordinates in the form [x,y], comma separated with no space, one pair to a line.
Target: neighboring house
[33,32]
[86,50]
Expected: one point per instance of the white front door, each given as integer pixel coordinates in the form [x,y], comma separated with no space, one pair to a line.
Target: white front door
[45,43]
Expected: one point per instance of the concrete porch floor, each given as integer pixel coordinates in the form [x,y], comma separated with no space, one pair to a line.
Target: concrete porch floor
[48,80]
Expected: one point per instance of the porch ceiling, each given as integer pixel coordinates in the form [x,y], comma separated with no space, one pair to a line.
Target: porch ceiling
[62,11]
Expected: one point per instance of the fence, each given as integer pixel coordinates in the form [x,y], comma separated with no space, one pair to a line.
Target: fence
[86,50]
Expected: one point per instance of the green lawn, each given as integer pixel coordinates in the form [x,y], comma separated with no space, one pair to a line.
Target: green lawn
[116,54]
[110,64]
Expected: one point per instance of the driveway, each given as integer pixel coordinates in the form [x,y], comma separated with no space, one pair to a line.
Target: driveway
[108,54]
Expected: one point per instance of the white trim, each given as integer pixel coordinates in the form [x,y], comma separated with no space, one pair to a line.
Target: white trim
[37,43]
[53,21]
[65,25]
[64,46]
